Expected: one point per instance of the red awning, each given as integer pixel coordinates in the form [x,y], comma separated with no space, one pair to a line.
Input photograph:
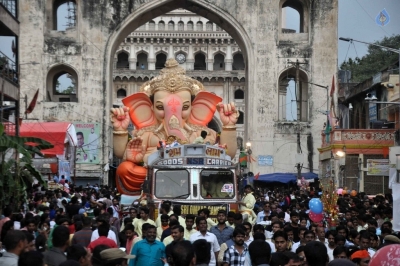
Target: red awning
[53,132]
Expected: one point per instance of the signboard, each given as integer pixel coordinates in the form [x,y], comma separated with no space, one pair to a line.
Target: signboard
[378,167]
[64,169]
[372,112]
[88,146]
[265,160]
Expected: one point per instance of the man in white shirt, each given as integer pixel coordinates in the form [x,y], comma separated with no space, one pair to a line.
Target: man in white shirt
[265,213]
[111,234]
[210,237]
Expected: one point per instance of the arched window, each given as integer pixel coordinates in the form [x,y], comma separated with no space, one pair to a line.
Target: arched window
[161,58]
[292,97]
[161,25]
[62,84]
[240,120]
[219,62]
[123,61]
[239,94]
[171,25]
[64,15]
[121,93]
[200,62]
[294,17]
[190,25]
[141,61]
[238,62]
[180,25]
[199,26]
[209,26]
[152,25]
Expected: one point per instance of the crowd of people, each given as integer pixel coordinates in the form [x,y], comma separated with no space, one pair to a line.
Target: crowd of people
[88,227]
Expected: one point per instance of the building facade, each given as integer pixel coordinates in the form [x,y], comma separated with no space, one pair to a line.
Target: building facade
[241,52]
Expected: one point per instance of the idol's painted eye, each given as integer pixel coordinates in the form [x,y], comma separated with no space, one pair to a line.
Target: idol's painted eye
[160,107]
[185,107]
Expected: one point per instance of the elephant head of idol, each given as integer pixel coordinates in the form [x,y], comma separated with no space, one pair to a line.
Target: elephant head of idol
[171,103]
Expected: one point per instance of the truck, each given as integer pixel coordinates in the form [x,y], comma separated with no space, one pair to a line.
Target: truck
[194,176]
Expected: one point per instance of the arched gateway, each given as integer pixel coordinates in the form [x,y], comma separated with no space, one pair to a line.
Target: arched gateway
[257,27]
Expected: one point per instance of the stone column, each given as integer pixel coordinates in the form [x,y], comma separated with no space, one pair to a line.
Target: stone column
[228,57]
[132,58]
[151,60]
[190,57]
[210,59]
[115,62]
[171,50]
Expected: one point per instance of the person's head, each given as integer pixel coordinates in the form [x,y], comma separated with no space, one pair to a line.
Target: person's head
[203,134]
[248,189]
[31,225]
[60,237]
[239,236]
[365,240]
[15,242]
[247,227]
[30,258]
[294,217]
[79,253]
[31,242]
[300,253]
[103,229]
[276,226]
[354,236]
[260,252]
[164,219]
[177,232]
[204,213]
[202,251]
[280,241]
[238,219]
[258,228]
[221,216]
[259,236]
[144,213]
[231,217]
[340,240]
[321,233]
[40,243]
[201,224]
[129,231]
[114,256]
[303,222]
[342,230]
[316,253]
[96,257]
[183,254]
[151,233]
[133,213]
[80,138]
[361,258]
[189,221]
[330,235]
[309,236]
[340,252]
[301,232]
[289,231]
[165,208]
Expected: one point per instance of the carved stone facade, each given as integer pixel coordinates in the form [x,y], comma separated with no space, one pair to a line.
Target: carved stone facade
[88,50]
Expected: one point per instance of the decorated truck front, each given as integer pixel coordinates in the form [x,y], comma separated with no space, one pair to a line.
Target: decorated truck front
[195,176]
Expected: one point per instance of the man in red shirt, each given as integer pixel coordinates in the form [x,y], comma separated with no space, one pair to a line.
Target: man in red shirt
[103,240]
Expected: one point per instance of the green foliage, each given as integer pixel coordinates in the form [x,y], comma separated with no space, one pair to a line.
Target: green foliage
[16,176]
[376,60]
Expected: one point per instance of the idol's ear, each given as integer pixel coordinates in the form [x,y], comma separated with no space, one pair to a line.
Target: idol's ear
[140,110]
[203,108]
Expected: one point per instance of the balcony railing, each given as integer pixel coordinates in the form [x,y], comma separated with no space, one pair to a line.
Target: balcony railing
[8,69]
[9,127]
[11,6]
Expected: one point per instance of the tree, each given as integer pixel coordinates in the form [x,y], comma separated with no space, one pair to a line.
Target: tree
[376,60]
[16,176]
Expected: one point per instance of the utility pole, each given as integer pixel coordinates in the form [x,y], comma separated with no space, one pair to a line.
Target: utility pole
[299,103]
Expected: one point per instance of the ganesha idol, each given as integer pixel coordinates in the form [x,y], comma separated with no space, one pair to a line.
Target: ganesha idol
[171,105]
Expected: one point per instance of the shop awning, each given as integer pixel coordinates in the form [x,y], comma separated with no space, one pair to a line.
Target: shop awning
[284,178]
[57,133]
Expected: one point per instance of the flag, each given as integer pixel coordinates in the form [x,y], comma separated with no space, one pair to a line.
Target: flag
[33,103]
[333,86]
[243,159]
[257,176]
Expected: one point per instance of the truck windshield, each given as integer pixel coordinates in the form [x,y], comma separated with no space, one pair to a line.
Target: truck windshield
[217,184]
[172,183]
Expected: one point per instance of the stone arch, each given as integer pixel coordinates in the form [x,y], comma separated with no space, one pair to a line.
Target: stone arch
[161,58]
[122,59]
[200,61]
[161,25]
[121,93]
[238,61]
[239,94]
[142,60]
[67,8]
[56,94]
[190,26]
[153,9]
[219,61]
[302,8]
[240,120]
[152,25]
[209,26]
[199,26]
[292,100]
[181,25]
[171,25]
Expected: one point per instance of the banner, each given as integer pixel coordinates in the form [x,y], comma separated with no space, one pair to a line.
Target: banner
[88,147]
[378,167]
[64,169]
